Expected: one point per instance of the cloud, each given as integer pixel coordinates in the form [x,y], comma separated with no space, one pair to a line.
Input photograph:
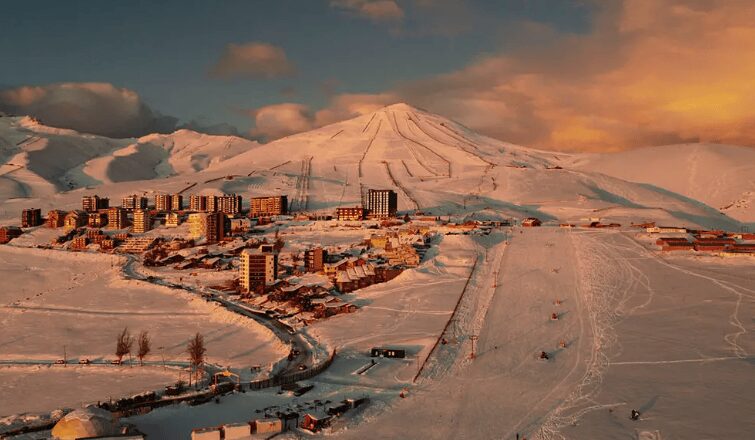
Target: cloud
[278,120]
[252,60]
[647,73]
[97,108]
[375,10]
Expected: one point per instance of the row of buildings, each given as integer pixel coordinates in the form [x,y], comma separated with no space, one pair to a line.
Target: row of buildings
[229,204]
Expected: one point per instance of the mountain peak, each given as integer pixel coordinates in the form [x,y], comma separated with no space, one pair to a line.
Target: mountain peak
[401,106]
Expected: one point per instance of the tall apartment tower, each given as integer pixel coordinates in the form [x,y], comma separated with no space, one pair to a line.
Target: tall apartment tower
[210,225]
[314,259]
[257,268]
[134,201]
[94,203]
[200,203]
[267,206]
[381,203]
[177,202]
[116,218]
[142,221]
[226,203]
[31,217]
[163,202]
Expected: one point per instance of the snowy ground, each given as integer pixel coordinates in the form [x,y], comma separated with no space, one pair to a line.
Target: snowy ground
[75,385]
[54,300]
[670,335]
[668,339]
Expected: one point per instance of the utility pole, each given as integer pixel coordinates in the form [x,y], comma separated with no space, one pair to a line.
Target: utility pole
[473,338]
[65,358]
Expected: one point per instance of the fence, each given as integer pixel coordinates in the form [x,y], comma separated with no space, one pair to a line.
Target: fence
[293,377]
[450,319]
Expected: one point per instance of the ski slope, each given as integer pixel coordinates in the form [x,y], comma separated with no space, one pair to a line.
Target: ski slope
[434,164]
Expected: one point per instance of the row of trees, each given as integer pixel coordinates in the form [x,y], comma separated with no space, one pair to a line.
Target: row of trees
[125,344]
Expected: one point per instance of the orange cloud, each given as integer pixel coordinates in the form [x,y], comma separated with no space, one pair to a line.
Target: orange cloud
[649,73]
[279,120]
[252,60]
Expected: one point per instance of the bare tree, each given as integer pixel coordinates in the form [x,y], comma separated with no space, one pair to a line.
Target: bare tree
[145,346]
[196,350]
[124,344]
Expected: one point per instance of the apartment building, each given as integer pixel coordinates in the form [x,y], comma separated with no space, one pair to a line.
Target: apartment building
[31,217]
[163,202]
[55,218]
[177,202]
[75,219]
[314,259]
[8,233]
[350,214]
[210,225]
[172,220]
[258,267]
[96,219]
[229,204]
[134,201]
[142,221]
[381,203]
[268,206]
[94,203]
[116,218]
[200,203]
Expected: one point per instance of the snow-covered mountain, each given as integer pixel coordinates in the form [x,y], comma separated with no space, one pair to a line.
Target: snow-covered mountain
[39,160]
[721,176]
[436,166]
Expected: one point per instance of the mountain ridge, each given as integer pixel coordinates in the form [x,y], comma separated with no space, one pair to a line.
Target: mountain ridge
[434,163]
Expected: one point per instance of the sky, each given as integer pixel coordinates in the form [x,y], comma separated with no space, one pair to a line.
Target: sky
[578,75]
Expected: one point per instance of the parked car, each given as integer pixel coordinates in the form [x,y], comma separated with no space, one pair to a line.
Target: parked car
[84,361]
[115,362]
[302,367]
[60,362]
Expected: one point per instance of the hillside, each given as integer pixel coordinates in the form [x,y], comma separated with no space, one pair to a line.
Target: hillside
[435,164]
[39,161]
[721,176]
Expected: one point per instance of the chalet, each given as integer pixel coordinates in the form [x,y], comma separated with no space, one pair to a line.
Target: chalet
[530,222]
